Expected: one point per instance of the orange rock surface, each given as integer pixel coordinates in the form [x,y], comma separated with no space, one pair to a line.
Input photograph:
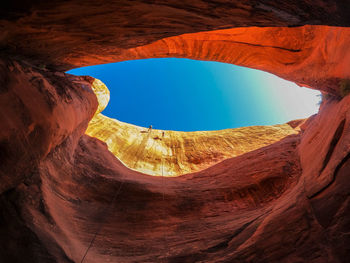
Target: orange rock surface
[64,197]
[274,36]
[294,54]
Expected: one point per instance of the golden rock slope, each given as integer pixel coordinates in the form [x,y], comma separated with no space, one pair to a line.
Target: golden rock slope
[173,153]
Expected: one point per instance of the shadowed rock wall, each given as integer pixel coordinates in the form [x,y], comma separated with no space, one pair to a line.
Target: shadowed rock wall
[63,33]
[285,202]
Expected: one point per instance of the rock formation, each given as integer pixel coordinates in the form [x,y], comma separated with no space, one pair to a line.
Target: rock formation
[65,197]
[174,153]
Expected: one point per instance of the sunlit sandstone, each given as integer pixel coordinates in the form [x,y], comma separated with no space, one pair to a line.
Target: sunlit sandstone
[173,153]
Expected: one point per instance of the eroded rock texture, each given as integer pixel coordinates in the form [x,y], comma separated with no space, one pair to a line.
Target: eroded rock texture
[174,153]
[62,189]
[295,54]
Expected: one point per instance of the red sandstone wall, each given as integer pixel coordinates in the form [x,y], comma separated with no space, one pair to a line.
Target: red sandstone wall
[38,112]
[258,207]
[287,202]
[52,33]
[295,54]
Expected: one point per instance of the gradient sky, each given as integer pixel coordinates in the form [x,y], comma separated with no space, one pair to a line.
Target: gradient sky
[192,95]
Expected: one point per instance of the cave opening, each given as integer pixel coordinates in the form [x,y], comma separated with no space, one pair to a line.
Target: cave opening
[262,194]
[193,95]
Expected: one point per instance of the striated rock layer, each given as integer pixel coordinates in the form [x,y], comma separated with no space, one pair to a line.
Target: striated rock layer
[295,54]
[173,153]
[64,197]
[256,207]
[67,34]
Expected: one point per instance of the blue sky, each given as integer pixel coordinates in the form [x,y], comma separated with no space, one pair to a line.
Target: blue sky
[192,95]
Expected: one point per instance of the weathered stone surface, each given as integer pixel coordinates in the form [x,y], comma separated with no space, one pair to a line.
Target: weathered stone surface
[102,94]
[295,54]
[201,216]
[251,208]
[68,33]
[174,153]
[65,35]
[320,161]
[285,202]
[39,110]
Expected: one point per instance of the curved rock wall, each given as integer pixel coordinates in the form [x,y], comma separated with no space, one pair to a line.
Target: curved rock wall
[295,54]
[63,34]
[174,153]
[63,192]
[56,36]
[39,110]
